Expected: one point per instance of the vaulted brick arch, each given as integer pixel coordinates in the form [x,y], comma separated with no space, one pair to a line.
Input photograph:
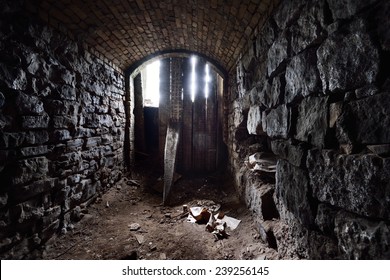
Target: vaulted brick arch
[127,31]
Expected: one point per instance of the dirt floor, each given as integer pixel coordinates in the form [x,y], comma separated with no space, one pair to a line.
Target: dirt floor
[105,231]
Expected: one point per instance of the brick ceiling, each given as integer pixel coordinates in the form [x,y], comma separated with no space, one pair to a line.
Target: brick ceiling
[128,31]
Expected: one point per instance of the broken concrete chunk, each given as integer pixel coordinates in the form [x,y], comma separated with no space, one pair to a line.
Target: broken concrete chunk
[134,227]
[216,223]
[140,239]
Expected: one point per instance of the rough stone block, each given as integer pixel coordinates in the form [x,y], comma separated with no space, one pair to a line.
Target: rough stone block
[74,144]
[285,149]
[61,135]
[61,107]
[354,125]
[64,121]
[310,27]
[266,37]
[11,139]
[322,247]
[238,116]
[254,121]
[28,169]
[33,151]
[292,190]
[67,92]
[24,193]
[366,91]
[325,219]
[93,141]
[348,60]
[312,121]
[277,122]
[277,55]
[20,80]
[28,104]
[51,215]
[69,160]
[292,237]
[360,238]
[26,213]
[107,139]
[302,76]
[89,189]
[288,13]
[36,65]
[347,8]
[36,137]
[84,132]
[35,121]
[276,94]
[382,24]
[259,198]
[357,183]
[264,93]
[60,75]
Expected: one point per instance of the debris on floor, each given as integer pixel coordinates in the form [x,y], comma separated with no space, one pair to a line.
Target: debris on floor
[134,227]
[152,247]
[133,183]
[163,256]
[140,239]
[215,223]
[174,238]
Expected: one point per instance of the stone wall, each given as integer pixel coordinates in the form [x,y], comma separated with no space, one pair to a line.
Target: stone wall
[62,123]
[313,90]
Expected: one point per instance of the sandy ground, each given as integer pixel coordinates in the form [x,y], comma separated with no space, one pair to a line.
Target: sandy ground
[164,233]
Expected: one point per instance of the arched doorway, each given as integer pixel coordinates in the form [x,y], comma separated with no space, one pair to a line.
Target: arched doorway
[190,94]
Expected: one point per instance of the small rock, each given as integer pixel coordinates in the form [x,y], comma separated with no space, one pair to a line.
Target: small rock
[133,183]
[107,205]
[261,257]
[134,227]
[149,216]
[152,247]
[163,256]
[168,215]
[140,238]
[118,188]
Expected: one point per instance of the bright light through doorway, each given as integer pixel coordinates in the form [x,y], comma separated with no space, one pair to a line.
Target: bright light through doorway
[207,80]
[193,78]
[151,84]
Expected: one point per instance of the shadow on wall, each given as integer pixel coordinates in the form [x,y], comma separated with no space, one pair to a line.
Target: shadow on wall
[315,84]
[62,122]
